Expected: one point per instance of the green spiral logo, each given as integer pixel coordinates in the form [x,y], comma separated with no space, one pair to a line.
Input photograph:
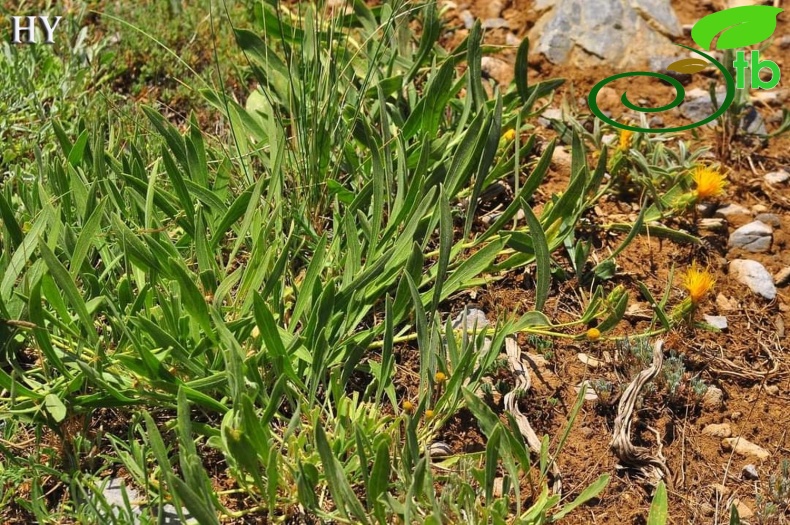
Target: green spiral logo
[680,95]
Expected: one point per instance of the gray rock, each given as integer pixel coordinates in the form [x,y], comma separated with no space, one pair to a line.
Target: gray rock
[467,18]
[617,33]
[713,398]
[469,319]
[732,209]
[777,177]
[497,69]
[753,122]
[722,430]
[113,494]
[771,219]
[545,119]
[512,40]
[753,237]
[755,276]
[717,321]
[698,105]
[782,277]
[495,23]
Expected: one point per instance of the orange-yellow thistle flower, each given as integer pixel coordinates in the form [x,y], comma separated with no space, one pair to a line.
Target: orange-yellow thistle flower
[593,334]
[626,139]
[698,282]
[408,406]
[509,134]
[710,183]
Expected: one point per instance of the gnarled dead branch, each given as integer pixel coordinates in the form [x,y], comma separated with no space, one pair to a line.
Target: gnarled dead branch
[639,458]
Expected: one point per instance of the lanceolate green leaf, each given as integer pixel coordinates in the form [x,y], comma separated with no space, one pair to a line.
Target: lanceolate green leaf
[69,289]
[543,275]
[658,508]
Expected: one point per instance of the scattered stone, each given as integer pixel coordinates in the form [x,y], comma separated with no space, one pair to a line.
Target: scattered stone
[744,447]
[545,119]
[732,209]
[720,490]
[744,512]
[753,122]
[735,416]
[754,237]
[724,304]
[717,321]
[589,392]
[777,177]
[589,361]
[722,430]
[494,8]
[698,105]
[714,224]
[759,208]
[755,276]
[114,495]
[639,311]
[655,122]
[497,69]
[470,319]
[617,33]
[495,23]
[772,390]
[467,18]
[713,398]
[782,277]
[750,472]
[707,510]
[561,159]
[770,219]
[512,40]
[784,42]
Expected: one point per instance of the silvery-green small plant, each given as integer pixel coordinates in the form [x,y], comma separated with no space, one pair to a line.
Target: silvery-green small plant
[673,373]
[603,389]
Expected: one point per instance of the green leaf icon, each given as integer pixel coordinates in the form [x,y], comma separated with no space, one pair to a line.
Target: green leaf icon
[739,26]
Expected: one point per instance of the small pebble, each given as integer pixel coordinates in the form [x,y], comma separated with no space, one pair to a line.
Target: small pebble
[755,276]
[744,447]
[777,177]
[782,277]
[722,430]
[732,209]
[771,219]
[750,472]
[717,321]
[713,398]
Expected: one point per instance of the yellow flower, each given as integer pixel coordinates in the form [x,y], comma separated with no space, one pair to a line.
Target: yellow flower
[408,406]
[509,135]
[698,282]
[593,334]
[440,377]
[710,183]
[429,414]
[626,139]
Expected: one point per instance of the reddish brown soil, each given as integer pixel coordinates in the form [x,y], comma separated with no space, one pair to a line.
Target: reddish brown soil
[750,356]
